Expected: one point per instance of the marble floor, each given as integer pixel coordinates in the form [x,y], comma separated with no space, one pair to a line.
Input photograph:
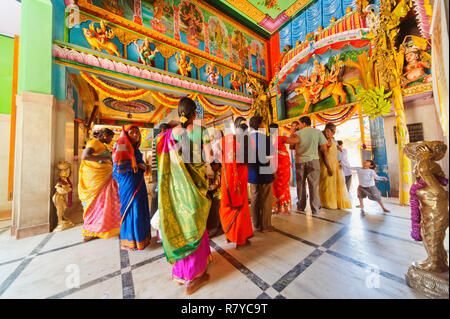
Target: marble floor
[334,254]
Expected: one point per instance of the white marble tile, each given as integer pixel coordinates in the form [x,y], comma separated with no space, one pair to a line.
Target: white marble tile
[155,282]
[331,277]
[270,255]
[152,250]
[391,255]
[108,289]
[7,269]
[64,238]
[12,248]
[55,272]
[306,227]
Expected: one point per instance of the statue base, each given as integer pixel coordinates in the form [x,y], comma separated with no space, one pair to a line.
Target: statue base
[63,225]
[431,284]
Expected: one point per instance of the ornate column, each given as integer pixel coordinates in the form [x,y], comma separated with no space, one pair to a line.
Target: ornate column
[206,37]
[176,20]
[378,142]
[137,12]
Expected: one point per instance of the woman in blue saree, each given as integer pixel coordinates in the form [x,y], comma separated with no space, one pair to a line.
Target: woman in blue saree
[129,168]
[184,205]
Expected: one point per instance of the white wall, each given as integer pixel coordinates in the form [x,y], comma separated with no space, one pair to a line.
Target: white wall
[418,111]
[10,17]
[4,161]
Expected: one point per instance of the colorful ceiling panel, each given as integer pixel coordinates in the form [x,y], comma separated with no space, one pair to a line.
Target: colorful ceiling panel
[267,14]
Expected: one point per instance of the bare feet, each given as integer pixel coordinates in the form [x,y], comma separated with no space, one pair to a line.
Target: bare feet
[360,206]
[247,243]
[86,239]
[386,210]
[201,281]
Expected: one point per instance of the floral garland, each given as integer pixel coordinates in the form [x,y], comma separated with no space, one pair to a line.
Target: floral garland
[340,117]
[415,206]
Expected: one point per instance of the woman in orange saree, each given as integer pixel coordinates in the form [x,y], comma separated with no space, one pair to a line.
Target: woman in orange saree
[234,211]
[282,162]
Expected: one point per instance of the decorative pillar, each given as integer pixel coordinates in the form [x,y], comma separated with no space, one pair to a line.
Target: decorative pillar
[378,143]
[35,123]
[176,20]
[137,12]
[361,129]
[206,37]
[405,179]
[231,49]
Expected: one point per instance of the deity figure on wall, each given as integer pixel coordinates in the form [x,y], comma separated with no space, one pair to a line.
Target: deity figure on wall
[213,76]
[239,44]
[158,13]
[113,6]
[414,71]
[235,82]
[192,19]
[146,54]
[99,38]
[184,67]
[316,81]
[218,38]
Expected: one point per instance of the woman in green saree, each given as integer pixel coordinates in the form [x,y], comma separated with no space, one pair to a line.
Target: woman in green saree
[182,200]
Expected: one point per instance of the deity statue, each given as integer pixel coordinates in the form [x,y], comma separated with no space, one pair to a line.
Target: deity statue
[63,188]
[316,81]
[430,276]
[99,38]
[146,54]
[241,46]
[415,67]
[235,82]
[213,76]
[184,67]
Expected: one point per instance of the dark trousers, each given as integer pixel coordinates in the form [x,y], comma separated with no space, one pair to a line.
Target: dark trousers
[213,224]
[261,198]
[348,181]
[308,172]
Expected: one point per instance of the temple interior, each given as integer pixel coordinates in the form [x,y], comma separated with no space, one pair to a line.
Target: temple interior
[375,70]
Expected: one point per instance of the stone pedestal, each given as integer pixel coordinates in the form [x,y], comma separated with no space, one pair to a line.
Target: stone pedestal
[432,285]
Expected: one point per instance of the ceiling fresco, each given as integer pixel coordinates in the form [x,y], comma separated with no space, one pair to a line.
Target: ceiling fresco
[269,15]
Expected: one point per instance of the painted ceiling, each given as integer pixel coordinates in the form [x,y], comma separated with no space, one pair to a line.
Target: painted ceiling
[268,15]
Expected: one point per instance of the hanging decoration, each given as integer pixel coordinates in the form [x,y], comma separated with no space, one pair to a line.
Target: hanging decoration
[375,102]
[113,90]
[338,117]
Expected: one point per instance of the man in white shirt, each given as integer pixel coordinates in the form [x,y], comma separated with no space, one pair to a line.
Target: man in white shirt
[343,161]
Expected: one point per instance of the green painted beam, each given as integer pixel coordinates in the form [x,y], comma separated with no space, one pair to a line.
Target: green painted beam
[35,55]
[6,73]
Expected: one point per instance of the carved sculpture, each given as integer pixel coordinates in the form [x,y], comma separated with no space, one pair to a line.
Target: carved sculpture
[63,187]
[431,275]
[235,82]
[213,76]
[146,54]
[184,67]
[322,84]
[99,38]
[417,60]
[261,99]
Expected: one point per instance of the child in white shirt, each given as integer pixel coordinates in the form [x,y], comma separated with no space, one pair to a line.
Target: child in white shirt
[367,188]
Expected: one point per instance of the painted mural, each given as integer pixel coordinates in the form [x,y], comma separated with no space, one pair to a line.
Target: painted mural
[190,22]
[239,49]
[158,15]
[324,83]
[219,40]
[123,8]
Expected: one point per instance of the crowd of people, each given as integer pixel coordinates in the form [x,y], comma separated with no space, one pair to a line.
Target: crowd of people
[229,184]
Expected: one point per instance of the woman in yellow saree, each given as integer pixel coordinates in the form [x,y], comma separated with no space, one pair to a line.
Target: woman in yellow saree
[332,189]
[182,199]
[97,190]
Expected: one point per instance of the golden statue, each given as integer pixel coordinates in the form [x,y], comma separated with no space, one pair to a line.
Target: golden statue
[63,188]
[235,82]
[261,99]
[184,67]
[99,38]
[431,275]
